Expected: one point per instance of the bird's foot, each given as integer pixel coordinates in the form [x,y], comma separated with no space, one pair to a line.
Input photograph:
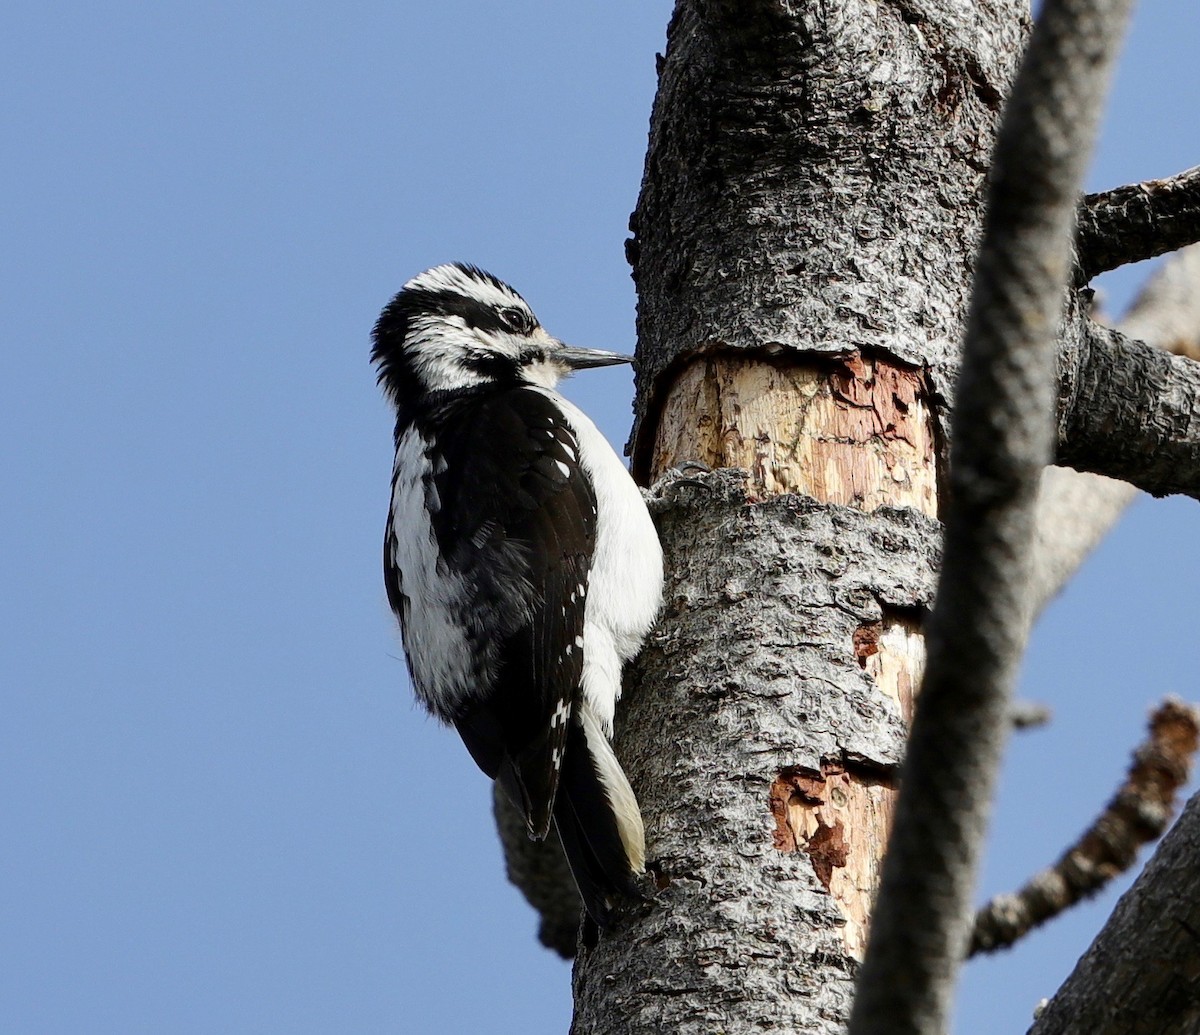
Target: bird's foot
[663,495]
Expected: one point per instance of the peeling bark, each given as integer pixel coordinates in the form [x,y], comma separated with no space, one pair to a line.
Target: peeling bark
[802,248]
[814,183]
[840,820]
[852,430]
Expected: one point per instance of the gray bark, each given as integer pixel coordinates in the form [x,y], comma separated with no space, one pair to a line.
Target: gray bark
[1130,411]
[1075,509]
[1138,221]
[751,672]
[1002,441]
[1141,976]
[813,182]
[813,185]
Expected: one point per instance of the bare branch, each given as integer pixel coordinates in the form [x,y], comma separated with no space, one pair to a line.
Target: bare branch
[539,870]
[1142,973]
[1137,222]
[1076,509]
[1002,434]
[1132,412]
[1138,813]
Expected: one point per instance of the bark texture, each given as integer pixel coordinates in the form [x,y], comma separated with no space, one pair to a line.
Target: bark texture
[1137,222]
[1130,411]
[1141,976]
[752,676]
[1002,440]
[1076,509]
[812,197]
[813,183]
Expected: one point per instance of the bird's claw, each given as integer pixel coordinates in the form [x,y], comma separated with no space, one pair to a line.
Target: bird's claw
[664,493]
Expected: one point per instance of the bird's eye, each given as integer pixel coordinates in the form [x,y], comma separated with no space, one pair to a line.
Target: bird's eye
[516,320]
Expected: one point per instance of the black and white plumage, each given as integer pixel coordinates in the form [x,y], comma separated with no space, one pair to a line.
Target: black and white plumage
[519,558]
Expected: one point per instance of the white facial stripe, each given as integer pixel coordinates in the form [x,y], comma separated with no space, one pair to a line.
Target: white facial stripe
[450,278]
[440,345]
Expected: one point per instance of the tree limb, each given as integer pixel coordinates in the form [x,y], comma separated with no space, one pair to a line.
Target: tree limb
[539,870]
[1001,441]
[1131,412]
[1137,222]
[1138,813]
[1076,509]
[1141,976]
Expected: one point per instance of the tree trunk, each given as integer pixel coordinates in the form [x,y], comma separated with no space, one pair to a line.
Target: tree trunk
[802,250]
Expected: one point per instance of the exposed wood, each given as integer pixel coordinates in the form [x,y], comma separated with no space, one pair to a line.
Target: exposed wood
[753,671]
[841,822]
[805,228]
[852,430]
[847,430]
[841,817]
[898,662]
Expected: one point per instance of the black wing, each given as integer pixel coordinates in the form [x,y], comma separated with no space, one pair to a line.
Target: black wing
[516,520]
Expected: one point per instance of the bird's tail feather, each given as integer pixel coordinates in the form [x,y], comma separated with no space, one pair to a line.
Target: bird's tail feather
[597,817]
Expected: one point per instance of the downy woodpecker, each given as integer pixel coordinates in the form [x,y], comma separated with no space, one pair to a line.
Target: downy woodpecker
[519,558]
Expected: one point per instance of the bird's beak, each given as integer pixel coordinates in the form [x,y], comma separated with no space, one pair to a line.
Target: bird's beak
[580,359]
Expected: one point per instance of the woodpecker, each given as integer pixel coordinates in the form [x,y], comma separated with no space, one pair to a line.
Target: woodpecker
[520,560]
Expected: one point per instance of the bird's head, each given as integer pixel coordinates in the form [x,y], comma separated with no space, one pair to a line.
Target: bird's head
[455,327]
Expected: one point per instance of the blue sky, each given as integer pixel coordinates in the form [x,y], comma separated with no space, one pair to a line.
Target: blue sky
[221,809]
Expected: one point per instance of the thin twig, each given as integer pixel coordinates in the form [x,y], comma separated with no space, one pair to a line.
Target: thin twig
[1138,813]
[1138,221]
[1028,715]
[1142,972]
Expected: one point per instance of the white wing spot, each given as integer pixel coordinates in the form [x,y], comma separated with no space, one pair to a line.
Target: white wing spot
[560,713]
[566,471]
